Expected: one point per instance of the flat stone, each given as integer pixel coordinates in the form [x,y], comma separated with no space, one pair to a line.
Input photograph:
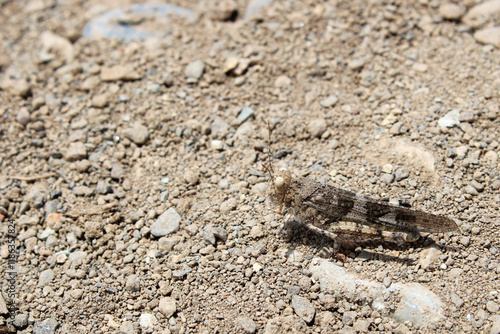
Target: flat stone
[46,277]
[303,308]
[489,35]
[481,13]
[456,300]
[76,151]
[401,174]
[166,224]
[418,304]
[245,114]
[329,102]
[48,326]
[119,72]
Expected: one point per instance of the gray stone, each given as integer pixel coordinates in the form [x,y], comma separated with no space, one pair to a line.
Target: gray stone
[48,326]
[470,190]
[245,114]
[387,178]
[349,317]
[495,328]
[211,233]
[21,320]
[194,70]
[401,174]
[166,224]
[46,277]
[478,186]
[76,151]
[78,255]
[330,101]
[247,324]
[104,188]
[303,308]
[253,7]
[167,306]
[127,327]
[417,305]
[83,191]
[181,274]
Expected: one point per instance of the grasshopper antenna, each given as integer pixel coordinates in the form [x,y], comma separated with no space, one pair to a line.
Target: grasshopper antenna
[269,167]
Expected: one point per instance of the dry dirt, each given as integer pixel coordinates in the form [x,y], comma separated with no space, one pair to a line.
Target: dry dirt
[100,138]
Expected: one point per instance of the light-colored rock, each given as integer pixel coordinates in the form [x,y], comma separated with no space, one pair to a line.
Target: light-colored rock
[119,72]
[57,44]
[489,35]
[166,224]
[194,70]
[418,304]
[167,306]
[452,11]
[481,13]
[303,308]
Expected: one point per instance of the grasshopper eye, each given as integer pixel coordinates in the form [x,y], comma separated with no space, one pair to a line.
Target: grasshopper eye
[279,182]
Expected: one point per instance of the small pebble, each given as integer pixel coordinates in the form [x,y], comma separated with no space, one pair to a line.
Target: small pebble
[452,11]
[401,174]
[166,224]
[194,70]
[282,81]
[167,306]
[138,133]
[387,178]
[330,101]
[303,308]
[217,145]
[317,127]
[247,324]
[492,307]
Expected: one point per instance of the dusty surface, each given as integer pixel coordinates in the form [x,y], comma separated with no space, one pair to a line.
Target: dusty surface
[92,155]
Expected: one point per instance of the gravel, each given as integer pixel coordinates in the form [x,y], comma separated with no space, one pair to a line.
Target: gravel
[131,178]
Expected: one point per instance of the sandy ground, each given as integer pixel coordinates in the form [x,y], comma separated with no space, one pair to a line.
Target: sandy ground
[132,193]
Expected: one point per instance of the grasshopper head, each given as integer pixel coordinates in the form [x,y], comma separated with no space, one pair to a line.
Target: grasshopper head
[279,185]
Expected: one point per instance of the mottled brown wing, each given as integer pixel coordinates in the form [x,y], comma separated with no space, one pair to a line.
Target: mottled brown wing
[339,204]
